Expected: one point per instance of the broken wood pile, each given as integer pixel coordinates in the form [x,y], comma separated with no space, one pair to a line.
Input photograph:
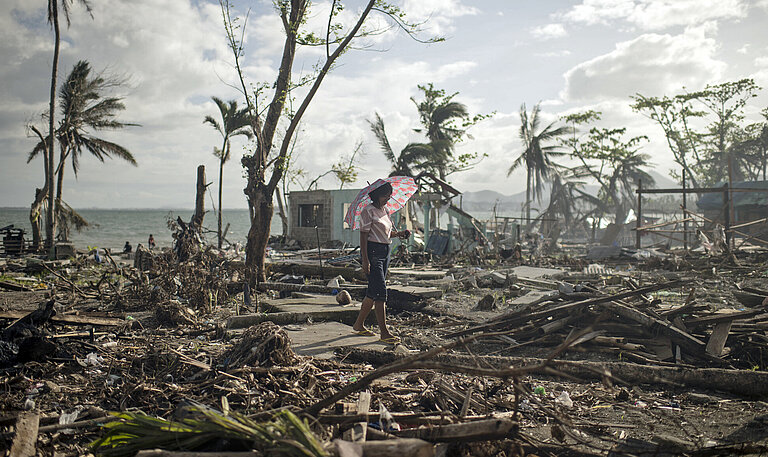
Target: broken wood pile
[637,326]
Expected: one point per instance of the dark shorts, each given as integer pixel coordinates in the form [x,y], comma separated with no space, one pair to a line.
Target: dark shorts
[378,256]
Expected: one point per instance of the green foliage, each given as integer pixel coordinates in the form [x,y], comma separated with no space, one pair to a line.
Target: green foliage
[204,427]
[615,163]
[85,109]
[234,121]
[445,123]
[537,152]
[705,153]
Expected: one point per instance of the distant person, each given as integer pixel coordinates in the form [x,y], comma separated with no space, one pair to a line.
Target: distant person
[127,249]
[151,242]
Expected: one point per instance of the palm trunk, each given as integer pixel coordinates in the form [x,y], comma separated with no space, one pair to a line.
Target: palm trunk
[50,227]
[528,200]
[221,177]
[59,186]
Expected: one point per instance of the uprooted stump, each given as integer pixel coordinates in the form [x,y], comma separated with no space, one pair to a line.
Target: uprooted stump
[264,344]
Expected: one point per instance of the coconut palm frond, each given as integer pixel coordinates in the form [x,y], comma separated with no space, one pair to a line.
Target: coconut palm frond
[285,435]
[377,127]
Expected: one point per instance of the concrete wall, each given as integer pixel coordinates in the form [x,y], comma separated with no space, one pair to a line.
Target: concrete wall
[331,225]
[307,235]
[338,232]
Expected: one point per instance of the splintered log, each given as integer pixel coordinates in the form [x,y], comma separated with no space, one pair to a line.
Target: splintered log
[745,383]
[482,430]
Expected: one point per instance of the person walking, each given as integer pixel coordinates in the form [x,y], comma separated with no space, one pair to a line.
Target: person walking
[376,232]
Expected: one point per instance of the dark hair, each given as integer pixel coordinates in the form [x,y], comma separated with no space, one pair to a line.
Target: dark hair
[386,189]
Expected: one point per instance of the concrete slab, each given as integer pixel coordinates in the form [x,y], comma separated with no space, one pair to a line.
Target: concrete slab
[415,291]
[321,340]
[525,271]
[535,297]
[299,310]
[418,274]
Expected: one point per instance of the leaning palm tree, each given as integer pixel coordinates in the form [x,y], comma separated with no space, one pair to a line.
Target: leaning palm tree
[234,122]
[438,114]
[53,19]
[85,110]
[413,157]
[536,156]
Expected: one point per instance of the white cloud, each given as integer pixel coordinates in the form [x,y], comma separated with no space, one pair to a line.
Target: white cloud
[650,64]
[744,49]
[761,61]
[655,14]
[762,4]
[549,31]
[560,53]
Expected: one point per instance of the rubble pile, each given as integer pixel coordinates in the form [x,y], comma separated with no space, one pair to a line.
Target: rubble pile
[635,355]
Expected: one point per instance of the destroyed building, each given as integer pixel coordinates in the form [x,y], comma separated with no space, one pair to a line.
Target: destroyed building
[318,215]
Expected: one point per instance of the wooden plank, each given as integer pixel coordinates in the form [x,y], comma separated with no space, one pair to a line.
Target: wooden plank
[25,442]
[358,431]
[69,319]
[716,342]
[721,317]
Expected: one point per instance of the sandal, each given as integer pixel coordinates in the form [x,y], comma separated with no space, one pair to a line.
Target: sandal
[390,340]
[363,332]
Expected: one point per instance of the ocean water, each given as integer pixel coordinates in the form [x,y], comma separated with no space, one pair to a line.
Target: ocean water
[111,228]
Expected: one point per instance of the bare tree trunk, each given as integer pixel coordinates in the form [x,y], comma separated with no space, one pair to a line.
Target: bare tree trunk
[281,212]
[197,218]
[50,226]
[260,199]
[36,217]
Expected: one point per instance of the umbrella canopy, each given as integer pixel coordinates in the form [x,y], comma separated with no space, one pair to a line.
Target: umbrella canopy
[403,188]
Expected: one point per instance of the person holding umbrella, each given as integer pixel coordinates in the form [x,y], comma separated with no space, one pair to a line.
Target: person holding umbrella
[376,232]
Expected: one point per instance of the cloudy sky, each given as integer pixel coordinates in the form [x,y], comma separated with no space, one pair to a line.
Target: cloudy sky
[569,55]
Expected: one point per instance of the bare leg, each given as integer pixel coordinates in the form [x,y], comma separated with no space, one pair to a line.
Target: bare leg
[381,318]
[365,310]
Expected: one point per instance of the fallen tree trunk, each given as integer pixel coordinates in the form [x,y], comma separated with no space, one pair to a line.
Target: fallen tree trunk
[745,383]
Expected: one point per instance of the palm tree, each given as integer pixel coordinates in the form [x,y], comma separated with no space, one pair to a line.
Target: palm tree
[438,114]
[536,155]
[413,157]
[234,122]
[53,19]
[84,110]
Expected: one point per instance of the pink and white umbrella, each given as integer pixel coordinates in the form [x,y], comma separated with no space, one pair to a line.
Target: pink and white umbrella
[403,188]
